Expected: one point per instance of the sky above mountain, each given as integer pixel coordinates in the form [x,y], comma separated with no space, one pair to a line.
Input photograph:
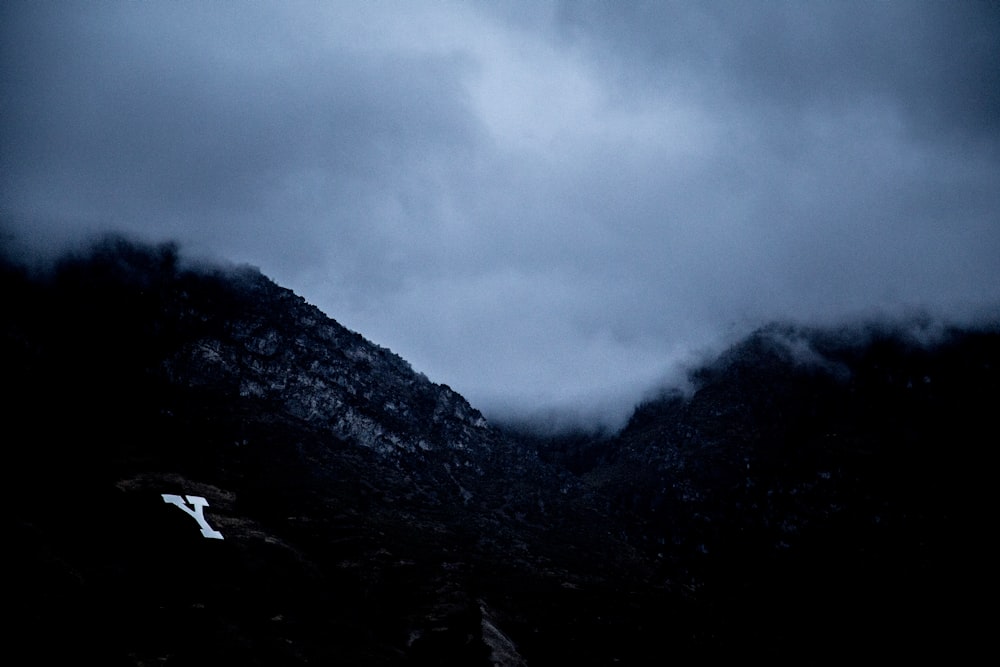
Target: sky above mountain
[545,205]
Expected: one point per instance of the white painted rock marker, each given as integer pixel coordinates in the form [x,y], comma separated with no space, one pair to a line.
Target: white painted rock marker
[198,513]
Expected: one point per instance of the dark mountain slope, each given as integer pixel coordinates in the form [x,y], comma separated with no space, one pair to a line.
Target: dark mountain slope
[821,492]
[825,488]
[369,516]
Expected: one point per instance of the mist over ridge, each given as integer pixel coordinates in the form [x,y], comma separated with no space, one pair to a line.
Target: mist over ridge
[555,207]
[602,412]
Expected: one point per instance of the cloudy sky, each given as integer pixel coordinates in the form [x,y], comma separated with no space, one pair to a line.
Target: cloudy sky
[542,204]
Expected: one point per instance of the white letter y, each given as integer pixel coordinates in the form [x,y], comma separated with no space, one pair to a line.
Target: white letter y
[197,513]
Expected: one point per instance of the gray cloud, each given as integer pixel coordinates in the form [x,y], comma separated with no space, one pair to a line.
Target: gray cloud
[937,63]
[544,205]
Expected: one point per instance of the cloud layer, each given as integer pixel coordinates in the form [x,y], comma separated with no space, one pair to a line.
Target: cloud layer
[544,205]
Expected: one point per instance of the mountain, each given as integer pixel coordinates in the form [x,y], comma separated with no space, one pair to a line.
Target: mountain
[820,488]
[206,469]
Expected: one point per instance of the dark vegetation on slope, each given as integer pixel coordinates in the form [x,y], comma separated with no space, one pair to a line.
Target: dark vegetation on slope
[820,492]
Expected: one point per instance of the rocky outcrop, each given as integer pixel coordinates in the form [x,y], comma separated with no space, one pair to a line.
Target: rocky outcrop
[271,346]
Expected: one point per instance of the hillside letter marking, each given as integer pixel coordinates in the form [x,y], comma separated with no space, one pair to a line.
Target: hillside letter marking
[198,513]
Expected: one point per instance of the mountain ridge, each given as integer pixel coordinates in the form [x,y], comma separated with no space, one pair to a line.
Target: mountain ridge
[370,516]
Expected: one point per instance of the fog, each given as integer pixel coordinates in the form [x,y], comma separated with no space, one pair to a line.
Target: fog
[554,208]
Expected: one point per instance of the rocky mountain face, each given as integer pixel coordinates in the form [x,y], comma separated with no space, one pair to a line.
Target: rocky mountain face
[208,470]
[819,488]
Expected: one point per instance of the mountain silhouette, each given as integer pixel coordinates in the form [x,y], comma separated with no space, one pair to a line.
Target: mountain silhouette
[206,469]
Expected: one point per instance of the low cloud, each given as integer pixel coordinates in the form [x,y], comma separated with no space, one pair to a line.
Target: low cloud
[549,209]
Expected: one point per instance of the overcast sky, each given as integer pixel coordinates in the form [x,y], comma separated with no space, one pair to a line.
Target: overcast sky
[541,204]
